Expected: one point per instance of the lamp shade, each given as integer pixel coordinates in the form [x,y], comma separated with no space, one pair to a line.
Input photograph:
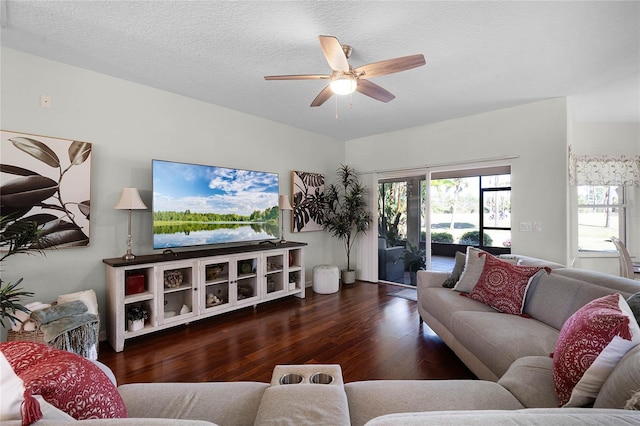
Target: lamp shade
[130,200]
[283,202]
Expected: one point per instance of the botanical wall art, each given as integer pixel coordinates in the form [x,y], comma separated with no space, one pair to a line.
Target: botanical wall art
[46,180]
[307,194]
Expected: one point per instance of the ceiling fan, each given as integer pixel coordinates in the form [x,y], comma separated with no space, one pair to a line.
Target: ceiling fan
[346,79]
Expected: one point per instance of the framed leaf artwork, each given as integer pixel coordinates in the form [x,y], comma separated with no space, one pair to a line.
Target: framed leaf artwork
[46,180]
[307,194]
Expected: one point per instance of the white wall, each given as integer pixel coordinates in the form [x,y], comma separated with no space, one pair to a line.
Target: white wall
[535,133]
[129,124]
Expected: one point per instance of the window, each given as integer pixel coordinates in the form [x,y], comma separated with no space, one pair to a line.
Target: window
[601,215]
[471,207]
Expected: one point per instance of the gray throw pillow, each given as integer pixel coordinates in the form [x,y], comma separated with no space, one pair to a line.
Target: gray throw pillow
[634,303]
[472,270]
[457,271]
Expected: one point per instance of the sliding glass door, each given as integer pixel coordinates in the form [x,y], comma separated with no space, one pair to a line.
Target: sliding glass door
[401,250]
[464,208]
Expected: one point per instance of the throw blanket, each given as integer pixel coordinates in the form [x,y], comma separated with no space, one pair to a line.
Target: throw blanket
[69,327]
[45,316]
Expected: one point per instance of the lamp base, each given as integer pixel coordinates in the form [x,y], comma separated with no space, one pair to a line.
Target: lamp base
[128,255]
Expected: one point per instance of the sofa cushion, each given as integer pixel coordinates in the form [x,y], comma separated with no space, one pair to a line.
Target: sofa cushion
[303,404]
[621,384]
[68,381]
[503,285]
[373,398]
[552,298]
[473,267]
[527,417]
[450,282]
[530,380]
[624,286]
[499,339]
[590,344]
[237,401]
[442,303]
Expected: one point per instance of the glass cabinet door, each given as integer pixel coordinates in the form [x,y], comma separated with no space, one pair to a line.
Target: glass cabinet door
[275,282]
[177,297]
[245,288]
[214,291]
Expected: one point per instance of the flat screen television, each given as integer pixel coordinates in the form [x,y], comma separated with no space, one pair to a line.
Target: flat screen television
[200,205]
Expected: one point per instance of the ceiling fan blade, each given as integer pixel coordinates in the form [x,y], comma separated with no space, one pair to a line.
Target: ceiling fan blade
[390,66]
[334,54]
[374,91]
[322,97]
[297,77]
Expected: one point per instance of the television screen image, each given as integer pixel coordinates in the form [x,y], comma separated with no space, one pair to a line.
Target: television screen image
[196,205]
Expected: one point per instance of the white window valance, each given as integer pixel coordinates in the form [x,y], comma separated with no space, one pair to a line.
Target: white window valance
[604,169]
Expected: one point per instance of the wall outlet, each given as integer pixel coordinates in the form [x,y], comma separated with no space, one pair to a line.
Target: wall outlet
[537,227]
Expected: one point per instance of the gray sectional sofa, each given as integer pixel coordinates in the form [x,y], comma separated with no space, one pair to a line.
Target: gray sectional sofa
[509,353]
[514,351]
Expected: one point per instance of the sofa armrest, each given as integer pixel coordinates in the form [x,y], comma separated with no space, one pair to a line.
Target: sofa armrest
[431,278]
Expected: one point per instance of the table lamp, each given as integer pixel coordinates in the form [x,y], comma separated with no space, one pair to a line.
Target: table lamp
[129,200]
[284,204]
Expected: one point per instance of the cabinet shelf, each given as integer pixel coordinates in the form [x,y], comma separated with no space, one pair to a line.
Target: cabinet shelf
[140,297]
[212,282]
[221,280]
[183,286]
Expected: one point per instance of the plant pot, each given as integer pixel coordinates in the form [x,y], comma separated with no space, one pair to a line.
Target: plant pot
[413,277]
[348,276]
[135,325]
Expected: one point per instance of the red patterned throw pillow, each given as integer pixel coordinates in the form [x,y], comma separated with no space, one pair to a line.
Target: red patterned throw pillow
[67,381]
[502,285]
[590,344]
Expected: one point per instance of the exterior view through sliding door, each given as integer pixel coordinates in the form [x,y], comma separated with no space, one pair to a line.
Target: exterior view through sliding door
[464,207]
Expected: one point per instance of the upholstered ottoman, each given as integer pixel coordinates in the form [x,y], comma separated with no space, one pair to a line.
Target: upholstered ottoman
[326,279]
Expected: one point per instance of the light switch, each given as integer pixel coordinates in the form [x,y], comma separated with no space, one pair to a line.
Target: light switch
[525,226]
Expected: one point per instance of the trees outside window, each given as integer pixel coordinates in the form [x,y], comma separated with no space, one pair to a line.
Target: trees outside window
[472,210]
[601,215]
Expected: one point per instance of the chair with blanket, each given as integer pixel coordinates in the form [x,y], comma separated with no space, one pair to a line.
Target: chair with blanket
[67,326]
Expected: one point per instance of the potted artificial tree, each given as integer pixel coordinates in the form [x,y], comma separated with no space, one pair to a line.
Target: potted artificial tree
[346,214]
[16,236]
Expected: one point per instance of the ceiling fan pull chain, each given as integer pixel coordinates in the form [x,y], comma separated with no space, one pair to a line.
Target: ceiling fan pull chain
[336,107]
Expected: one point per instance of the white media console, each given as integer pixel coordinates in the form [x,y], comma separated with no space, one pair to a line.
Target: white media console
[178,288]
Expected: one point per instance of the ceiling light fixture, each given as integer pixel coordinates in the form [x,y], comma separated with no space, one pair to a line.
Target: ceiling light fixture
[343,84]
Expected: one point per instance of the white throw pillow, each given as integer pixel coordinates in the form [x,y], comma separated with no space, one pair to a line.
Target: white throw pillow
[12,389]
[87,296]
[472,270]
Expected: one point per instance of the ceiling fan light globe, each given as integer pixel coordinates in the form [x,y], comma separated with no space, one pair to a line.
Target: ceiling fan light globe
[343,85]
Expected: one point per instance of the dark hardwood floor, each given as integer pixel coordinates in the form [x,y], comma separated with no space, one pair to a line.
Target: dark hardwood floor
[370,334]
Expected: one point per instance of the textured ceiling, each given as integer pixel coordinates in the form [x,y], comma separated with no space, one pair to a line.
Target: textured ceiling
[480,56]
